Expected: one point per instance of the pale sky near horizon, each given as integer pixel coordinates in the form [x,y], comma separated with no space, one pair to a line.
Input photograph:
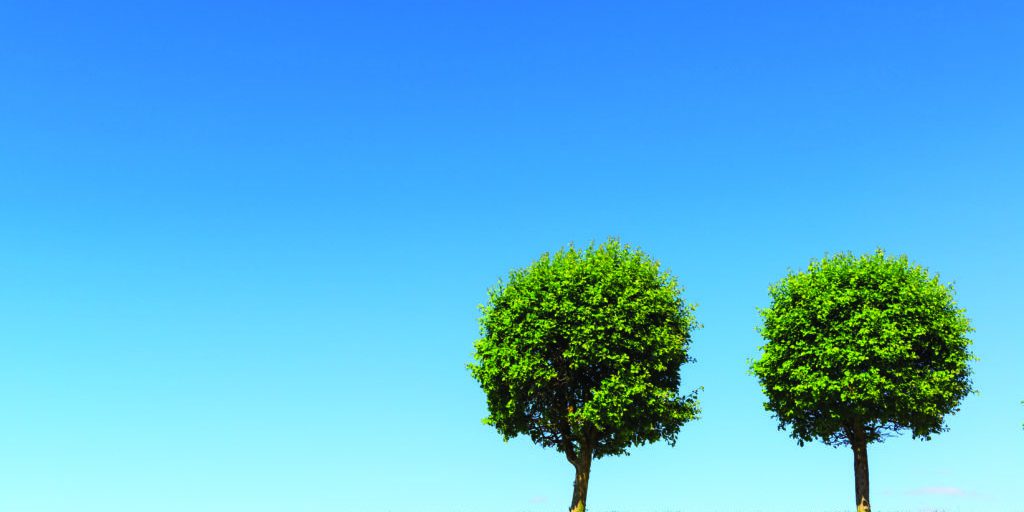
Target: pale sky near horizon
[244,243]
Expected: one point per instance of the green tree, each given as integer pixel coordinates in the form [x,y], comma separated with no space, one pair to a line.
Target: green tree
[581,351]
[862,348]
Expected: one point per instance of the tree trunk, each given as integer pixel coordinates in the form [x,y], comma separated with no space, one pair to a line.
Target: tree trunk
[579,488]
[859,444]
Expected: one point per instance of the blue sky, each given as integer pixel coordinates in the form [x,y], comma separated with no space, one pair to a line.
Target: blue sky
[244,243]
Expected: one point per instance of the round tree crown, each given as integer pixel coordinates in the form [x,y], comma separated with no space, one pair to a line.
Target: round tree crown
[870,342]
[583,349]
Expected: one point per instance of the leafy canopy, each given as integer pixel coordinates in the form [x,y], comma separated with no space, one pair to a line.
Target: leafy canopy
[583,349]
[872,342]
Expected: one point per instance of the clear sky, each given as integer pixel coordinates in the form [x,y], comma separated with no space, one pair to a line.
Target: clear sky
[244,243]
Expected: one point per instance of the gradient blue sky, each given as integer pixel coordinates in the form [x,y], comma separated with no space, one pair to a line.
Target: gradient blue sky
[244,243]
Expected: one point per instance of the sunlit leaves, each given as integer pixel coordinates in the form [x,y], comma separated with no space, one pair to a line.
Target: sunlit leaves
[586,346]
[871,342]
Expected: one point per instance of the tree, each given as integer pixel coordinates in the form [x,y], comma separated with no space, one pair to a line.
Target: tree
[581,351]
[859,349]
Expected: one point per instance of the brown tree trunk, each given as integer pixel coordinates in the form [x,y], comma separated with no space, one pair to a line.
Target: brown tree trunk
[579,488]
[859,444]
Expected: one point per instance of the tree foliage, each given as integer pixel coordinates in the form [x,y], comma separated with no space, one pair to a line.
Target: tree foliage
[581,351]
[872,342]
